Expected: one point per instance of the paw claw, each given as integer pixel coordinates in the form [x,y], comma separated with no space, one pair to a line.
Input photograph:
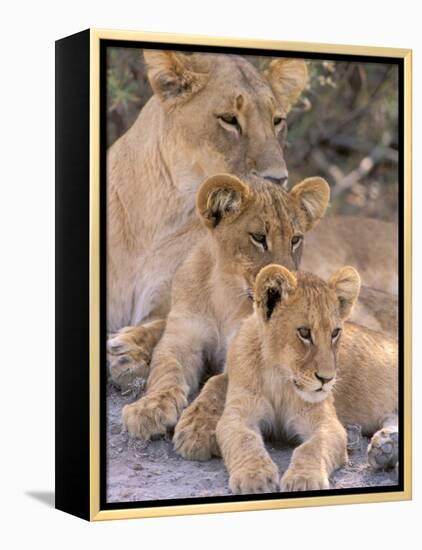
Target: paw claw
[194,436]
[255,477]
[300,480]
[128,362]
[152,415]
[114,348]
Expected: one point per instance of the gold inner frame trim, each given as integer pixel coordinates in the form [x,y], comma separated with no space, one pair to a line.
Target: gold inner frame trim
[96,514]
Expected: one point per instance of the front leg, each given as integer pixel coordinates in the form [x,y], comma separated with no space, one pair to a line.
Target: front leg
[324,450]
[195,434]
[250,467]
[176,369]
[129,353]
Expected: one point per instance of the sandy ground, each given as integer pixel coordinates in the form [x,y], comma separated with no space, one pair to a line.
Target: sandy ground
[148,470]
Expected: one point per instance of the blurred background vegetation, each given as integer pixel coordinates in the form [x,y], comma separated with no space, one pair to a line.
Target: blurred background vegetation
[345,127]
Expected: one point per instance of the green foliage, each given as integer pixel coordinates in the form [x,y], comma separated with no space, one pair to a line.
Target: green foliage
[127,89]
[347,131]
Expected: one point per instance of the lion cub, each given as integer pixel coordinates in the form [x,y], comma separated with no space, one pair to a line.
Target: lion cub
[282,368]
[248,227]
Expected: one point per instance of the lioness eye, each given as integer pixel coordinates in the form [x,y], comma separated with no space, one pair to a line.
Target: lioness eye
[296,241]
[278,120]
[260,239]
[305,333]
[230,119]
[335,333]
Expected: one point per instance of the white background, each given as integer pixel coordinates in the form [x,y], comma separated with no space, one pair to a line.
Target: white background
[28,31]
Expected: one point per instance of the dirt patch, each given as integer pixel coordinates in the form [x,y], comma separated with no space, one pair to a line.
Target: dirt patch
[149,470]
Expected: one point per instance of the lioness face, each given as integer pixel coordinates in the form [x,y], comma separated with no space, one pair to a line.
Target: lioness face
[302,324]
[223,114]
[256,223]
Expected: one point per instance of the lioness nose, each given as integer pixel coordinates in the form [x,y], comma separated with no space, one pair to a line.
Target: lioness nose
[323,379]
[278,181]
[279,177]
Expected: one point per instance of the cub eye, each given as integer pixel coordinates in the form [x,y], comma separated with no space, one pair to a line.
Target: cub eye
[231,120]
[296,241]
[335,333]
[305,333]
[259,238]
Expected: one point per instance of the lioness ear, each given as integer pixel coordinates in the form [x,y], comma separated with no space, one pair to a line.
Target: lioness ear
[273,285]
[288,78]
[311,196]
[171,75]
[346,284]
[221,197]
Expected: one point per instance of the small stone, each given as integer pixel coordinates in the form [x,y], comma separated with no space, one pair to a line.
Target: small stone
[354,436]
[137,467]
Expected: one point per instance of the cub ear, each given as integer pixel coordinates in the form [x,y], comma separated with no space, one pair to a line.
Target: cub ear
[288,78]
[346,284]
[222,196]
[311,197]
[171,75]
[273,286]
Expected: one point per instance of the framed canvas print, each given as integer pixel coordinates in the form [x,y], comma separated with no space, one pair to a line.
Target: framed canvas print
[233,274]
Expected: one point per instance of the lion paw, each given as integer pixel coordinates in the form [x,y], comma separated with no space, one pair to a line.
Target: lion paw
[383,450]
[194,436]
[255,477]
[154,414]
[303,480]
[128,360]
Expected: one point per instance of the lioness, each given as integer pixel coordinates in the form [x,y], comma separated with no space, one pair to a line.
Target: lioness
[282,368]
[368,244]
[248,225]
[209,114]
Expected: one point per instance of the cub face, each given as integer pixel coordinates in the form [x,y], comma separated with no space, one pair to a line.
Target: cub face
[302,322]
[256,223]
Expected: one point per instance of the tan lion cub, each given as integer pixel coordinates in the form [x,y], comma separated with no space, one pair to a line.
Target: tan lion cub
[248,227]
[282,367]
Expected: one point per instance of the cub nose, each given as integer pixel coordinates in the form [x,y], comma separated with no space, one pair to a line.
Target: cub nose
[323,379]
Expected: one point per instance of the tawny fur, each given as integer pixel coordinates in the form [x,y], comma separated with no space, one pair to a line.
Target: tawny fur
[369,245]
[377,310]
[279,382]
[155,168]
[211,290]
